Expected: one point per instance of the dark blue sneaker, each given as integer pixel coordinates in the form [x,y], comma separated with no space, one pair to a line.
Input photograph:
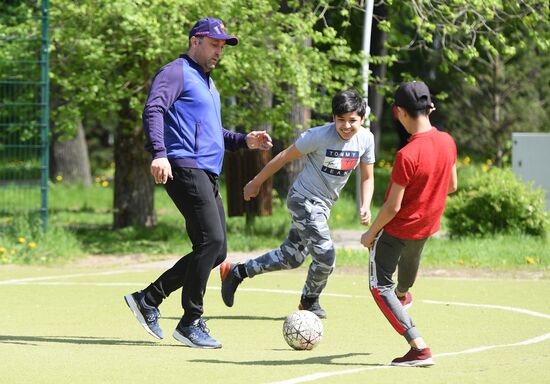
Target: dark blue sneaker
[147,315]
[196,335]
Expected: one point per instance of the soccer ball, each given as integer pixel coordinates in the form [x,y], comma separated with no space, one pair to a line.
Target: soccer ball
[302,330]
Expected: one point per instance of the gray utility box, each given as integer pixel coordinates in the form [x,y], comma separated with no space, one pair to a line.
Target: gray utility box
[531,159]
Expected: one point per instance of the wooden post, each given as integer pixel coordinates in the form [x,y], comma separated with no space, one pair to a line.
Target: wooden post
[241,167]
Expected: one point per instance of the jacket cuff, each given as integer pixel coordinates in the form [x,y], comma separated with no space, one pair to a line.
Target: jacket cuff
[159,154]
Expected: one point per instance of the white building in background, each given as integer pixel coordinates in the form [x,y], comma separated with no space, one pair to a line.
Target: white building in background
[531,159]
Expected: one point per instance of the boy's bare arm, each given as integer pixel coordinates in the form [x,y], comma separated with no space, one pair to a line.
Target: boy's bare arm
[367,190]
[387,212]
[453,182]
[253,187]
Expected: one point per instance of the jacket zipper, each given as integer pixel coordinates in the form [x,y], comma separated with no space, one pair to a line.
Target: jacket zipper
[197,131]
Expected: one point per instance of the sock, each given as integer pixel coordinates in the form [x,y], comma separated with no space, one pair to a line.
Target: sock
[240,271]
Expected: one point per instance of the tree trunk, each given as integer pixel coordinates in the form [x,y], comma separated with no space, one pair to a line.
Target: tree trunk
[300,117]
[134,185]
[69,158]
[241,166]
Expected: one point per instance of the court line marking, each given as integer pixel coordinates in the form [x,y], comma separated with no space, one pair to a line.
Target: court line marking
[324,375]
[318,375]
[534,340]
[41,278]
[490,306]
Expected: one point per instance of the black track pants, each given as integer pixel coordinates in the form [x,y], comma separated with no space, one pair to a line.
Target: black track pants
[195,193]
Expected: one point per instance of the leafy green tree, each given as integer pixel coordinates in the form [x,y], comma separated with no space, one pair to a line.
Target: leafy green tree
[103,65]
[488,56]
[108,52]
[20,88]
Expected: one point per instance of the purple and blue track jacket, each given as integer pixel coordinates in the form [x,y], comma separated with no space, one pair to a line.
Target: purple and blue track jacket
[182,118]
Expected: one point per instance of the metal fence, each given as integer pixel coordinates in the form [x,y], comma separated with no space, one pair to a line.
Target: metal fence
[24,111]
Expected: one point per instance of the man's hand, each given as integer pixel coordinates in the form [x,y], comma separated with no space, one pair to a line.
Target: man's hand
[161,170]
[251,190]
[368,238]
[365,216]
[259,140]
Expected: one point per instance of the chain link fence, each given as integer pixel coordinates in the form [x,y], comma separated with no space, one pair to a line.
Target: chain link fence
[24,111]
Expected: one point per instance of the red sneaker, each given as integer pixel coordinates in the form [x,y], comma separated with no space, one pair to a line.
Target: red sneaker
[407,300]
[230,282]
[225,267]
[415,358]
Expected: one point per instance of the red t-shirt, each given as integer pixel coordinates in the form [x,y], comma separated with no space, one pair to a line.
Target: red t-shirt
[423,167]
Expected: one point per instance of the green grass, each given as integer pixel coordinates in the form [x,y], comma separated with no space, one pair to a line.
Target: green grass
[503,253]
[81,224]
[80,331]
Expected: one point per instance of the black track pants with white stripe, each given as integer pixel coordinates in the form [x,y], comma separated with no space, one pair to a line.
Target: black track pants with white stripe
[388,254]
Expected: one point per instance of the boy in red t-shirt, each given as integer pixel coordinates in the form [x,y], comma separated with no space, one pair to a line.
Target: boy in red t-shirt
[423,174]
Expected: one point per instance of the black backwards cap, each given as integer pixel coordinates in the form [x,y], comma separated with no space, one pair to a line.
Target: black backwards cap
[413,96]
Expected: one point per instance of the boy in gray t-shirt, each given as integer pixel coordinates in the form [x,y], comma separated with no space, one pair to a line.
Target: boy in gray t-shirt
[332,152]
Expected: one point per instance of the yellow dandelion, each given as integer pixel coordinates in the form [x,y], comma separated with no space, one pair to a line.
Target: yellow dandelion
[13,252]
[530,260]
[338,216]
[485,168]
[97,180]
[2,249]
[387,166]
[59,178]
[21,240]
[489,162]
[466,160]
[105,184]
[381,163]
[32,245]
[460,261]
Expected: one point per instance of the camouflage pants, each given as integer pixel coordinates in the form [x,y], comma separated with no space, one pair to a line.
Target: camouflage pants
[309,234]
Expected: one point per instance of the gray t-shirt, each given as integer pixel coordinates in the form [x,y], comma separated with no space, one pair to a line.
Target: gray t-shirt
[330,160]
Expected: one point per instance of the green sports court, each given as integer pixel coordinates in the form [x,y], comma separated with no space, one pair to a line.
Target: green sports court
[71,325]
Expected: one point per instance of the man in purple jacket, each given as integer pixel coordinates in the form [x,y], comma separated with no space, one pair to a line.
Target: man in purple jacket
[182,122]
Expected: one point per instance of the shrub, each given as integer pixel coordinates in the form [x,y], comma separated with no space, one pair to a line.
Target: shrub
[496,202]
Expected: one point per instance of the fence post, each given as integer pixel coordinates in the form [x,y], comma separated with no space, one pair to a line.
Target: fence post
[45,115]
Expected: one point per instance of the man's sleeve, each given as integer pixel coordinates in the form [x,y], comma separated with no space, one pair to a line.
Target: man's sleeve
[234,140]
[166,88]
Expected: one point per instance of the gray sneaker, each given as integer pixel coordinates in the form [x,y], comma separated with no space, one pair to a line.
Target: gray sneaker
[312,304]
[230,282]
[147,315]
[196,335]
